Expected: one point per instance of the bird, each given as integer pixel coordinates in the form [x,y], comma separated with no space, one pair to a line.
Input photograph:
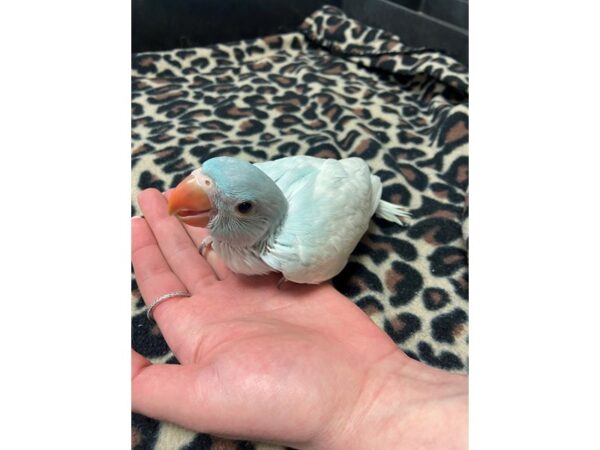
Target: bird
[301,216]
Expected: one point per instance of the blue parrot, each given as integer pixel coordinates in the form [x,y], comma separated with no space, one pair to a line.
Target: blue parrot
[301,216]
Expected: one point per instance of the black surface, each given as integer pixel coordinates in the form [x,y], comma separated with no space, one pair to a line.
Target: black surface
[168,24]
[454,12]
[413,27]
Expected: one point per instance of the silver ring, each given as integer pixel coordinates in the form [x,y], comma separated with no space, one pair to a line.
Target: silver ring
[163,298]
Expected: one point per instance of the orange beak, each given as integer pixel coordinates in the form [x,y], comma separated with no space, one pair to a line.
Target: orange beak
[190,203]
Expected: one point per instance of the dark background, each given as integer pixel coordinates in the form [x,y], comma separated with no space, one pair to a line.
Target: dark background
[169,24]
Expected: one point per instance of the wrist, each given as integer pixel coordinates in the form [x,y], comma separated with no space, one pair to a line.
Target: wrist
[406,404]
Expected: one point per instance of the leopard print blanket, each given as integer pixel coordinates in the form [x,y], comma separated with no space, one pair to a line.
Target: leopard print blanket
[334,89]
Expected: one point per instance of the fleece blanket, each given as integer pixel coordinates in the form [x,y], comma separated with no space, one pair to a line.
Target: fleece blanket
[336,88]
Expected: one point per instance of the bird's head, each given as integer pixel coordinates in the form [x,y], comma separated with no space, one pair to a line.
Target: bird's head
[235,200]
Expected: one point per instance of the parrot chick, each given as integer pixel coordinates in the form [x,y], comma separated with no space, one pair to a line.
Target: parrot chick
[301,216]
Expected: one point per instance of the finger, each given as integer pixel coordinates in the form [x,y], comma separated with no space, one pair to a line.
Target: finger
[175,244]
[138,362]
[154,276]
[194,397]
[165,391]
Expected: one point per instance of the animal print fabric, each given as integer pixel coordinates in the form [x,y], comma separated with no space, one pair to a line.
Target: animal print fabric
[334,89]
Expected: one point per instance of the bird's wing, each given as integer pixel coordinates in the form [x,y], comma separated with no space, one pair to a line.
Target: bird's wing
[330,205]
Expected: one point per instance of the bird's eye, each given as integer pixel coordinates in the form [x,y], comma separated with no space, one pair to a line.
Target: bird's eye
[244,207]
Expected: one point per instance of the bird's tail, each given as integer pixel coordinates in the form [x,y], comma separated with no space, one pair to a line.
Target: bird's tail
[391,212]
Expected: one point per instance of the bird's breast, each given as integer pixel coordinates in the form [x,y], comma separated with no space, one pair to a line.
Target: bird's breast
[245,261]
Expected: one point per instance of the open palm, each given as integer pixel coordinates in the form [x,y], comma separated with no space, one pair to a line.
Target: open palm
[290,365]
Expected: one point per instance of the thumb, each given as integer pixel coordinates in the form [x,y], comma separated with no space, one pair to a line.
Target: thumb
[164,391]
[194,397]
[138,362]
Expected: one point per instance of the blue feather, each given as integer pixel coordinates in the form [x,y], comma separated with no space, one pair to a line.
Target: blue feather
[307,214]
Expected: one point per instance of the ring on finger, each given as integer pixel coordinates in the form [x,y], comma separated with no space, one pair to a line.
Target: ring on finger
[164,298]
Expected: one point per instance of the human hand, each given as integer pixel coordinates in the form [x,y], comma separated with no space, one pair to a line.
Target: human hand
[300,366]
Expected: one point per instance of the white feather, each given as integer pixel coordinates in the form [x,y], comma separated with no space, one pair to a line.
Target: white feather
[330,205]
